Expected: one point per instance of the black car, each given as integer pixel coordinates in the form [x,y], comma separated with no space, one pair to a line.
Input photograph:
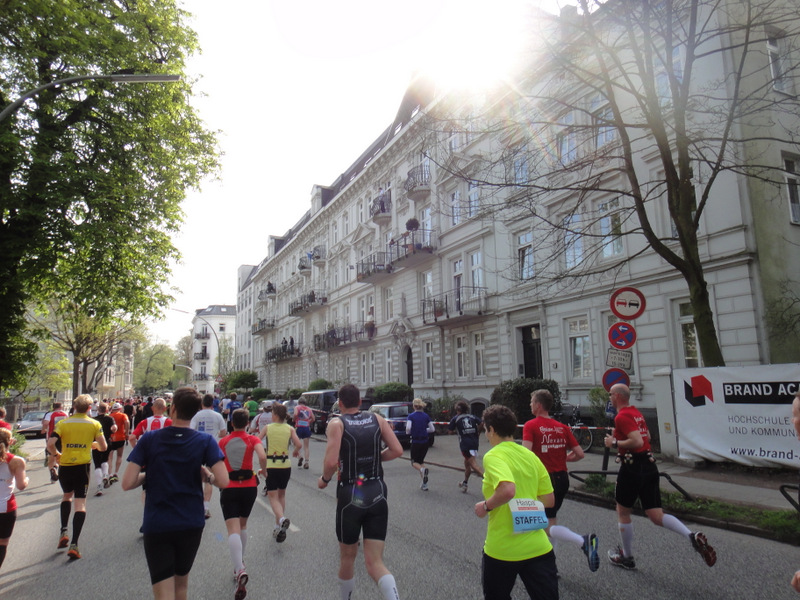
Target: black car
[396,413]
[320,402]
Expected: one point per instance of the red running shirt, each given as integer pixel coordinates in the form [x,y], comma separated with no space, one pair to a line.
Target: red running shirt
[551,440]
[629,419]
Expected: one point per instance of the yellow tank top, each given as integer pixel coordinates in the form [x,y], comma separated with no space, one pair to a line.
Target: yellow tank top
[278,436]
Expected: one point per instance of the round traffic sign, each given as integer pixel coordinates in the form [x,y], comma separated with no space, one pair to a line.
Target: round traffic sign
[622,335]
[614,376]
[627,303]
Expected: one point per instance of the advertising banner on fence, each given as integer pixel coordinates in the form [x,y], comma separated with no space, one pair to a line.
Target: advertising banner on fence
[740,414]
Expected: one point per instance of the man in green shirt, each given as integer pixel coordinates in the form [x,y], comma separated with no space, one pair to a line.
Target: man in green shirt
[251,406]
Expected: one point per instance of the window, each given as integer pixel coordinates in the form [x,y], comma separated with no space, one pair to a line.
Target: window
[473,199]
[334,232]
[426,285]
[428,360]
[779,63]
[604,130]
[363,367]
[611,228]
[476,270]
[793,189]
[372,367]
[521,174]
[580,351]
[690,352]
[221,327]
[388,304]
[424,218]
[566,139]
[663,88]
[525,255]
[455,206]
[460,343]
[478,350]
[345,224]
[388,373]
[573,242]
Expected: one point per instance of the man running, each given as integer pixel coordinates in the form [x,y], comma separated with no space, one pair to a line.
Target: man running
[238,498]
[468,428]
[100,457]
[78,434]
[118,438]
[48,425]
[303,418]
[419,426]
[554,444]
[354,448]
[211,422]
[638,478]
[152,423]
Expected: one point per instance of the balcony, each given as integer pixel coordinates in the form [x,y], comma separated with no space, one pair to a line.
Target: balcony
[345,335]
[319,255]
[414,247]
[304,266]
[456,305]
[201,377]
[313,300]
[203,335]
[283,352]
[380,211]
[374,268]
[262,326]
[418,183]
[267,293]
[201,356]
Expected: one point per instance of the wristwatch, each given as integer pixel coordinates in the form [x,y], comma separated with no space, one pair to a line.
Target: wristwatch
[486,507]
[325,480]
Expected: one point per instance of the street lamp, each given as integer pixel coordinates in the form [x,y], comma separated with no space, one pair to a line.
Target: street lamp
[117,78]
[219,347]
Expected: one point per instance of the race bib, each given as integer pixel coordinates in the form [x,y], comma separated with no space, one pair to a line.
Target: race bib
[527,515]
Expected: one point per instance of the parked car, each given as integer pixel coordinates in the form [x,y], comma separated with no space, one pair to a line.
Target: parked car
[30,424]
[396,413]
[335,410]
[320,402]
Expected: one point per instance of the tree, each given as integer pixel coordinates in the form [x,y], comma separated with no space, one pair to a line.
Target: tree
[184,354]
[92,175]
[153,367]
[227,356]
[632,110]
[245,380]
[51,371]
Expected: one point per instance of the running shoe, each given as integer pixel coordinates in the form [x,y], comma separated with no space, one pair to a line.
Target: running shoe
[106,482]
[424,487]
[53,475]
[99,491]
[424,473]
[208,514]
[620,560]
[300,462]
[462,485]
[700,543]
[241,582]
[114,478]
[73,552]
[590,550]
[63,539]
[280,535]
[305,466]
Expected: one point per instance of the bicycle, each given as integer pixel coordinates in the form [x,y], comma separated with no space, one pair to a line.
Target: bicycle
[580,430]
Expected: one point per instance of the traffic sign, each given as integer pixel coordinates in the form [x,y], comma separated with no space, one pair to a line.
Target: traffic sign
[622,335]
[627,303]
[614,376]
[621,359]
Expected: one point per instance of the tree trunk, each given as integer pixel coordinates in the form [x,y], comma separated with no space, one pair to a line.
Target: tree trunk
[707,340]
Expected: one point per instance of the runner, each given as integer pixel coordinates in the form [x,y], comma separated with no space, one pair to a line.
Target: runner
[279,466]
[238,498]
[118,437]
[638,478]
[12,472]
[354,448]
[78,435]
[419,426]
[251,406]
[468,428]
[176,457]
[303,418]
[152,423]
[100,457]
[211,422]
[555,446]
[48,425]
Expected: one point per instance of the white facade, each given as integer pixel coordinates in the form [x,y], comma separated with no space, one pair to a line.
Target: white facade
[213,328]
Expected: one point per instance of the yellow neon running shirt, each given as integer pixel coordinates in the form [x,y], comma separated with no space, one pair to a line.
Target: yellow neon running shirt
[77,434]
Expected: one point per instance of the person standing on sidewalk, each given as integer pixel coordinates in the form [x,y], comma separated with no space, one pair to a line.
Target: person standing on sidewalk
[468,428]
[79,434]
[638,478]
[419,426]
[354,449]
[555,446]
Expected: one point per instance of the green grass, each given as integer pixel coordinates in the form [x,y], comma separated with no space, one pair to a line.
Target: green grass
[783,525]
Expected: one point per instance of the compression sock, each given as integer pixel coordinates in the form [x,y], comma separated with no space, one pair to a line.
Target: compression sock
[235,547]
[66,507]
[98,476]
[346,587]
[243,535]
[77,525]
[563,534]
[388,587]
[674,524]
[626,535]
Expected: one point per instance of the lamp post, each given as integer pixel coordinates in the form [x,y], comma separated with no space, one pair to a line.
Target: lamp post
[216,338]
[117,78]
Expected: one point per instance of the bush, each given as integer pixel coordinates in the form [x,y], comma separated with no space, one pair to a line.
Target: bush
[320,384]
[294,393]
[260,393]
[516,394]
[598,397]
[393,392]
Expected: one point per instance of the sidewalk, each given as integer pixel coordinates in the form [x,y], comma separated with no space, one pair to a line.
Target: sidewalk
[736,486]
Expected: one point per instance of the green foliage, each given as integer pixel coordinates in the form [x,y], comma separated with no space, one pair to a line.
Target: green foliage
[598,398]
[240,380]
[260,393]
[393,392]
[320,384]
[152,368]
[92,174]
[516,394]
[295,393]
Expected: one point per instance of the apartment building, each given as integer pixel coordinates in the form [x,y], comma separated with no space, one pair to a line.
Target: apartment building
[213,335]
[480,239]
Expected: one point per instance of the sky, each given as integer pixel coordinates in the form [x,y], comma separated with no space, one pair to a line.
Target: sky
[297,91]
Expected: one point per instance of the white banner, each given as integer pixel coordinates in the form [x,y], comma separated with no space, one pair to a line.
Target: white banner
[739,414]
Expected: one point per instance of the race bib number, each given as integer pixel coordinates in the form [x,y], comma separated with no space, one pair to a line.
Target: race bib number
[527,515]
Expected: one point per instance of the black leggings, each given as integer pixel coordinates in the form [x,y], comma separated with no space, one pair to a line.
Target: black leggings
[171,553]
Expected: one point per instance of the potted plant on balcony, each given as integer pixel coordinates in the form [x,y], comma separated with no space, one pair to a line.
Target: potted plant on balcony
[438,308]
[412,224]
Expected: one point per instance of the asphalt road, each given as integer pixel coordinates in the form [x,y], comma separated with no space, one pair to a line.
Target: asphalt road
[433,548]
